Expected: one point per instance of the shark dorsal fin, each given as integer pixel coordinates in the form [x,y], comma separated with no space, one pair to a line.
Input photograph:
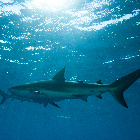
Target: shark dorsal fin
[99,82]
[59,77]
[81,82]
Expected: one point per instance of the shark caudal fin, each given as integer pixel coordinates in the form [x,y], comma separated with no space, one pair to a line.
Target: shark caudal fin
[119,86]
[4,95]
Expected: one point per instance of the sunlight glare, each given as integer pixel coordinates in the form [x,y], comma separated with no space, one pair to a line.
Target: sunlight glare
[50,4]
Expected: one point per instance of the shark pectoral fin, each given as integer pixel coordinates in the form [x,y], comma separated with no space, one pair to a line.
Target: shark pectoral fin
[54,104]
[99,96]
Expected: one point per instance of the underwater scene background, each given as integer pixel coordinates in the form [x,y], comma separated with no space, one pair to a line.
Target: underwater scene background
[95,40]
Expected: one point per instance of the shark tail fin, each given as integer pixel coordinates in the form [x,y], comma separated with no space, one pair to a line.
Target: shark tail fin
[4,95]
[119,86]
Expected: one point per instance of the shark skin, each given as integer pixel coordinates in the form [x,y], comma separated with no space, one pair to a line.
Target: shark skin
[57,89]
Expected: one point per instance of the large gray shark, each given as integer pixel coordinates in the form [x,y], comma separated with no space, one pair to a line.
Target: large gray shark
[57,89]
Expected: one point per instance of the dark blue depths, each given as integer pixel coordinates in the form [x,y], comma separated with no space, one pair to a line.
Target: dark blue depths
[95,41]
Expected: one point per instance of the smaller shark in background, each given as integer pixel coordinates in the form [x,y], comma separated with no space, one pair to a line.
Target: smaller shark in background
[57,89]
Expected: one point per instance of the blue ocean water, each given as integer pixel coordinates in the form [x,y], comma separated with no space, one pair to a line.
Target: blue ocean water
[95,40]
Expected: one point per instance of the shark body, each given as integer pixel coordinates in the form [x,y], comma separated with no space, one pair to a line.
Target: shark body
[57,89]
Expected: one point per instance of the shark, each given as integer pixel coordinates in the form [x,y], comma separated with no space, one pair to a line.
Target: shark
[58,88]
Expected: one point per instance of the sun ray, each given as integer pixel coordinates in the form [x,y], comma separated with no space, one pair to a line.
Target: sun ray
[49,4]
